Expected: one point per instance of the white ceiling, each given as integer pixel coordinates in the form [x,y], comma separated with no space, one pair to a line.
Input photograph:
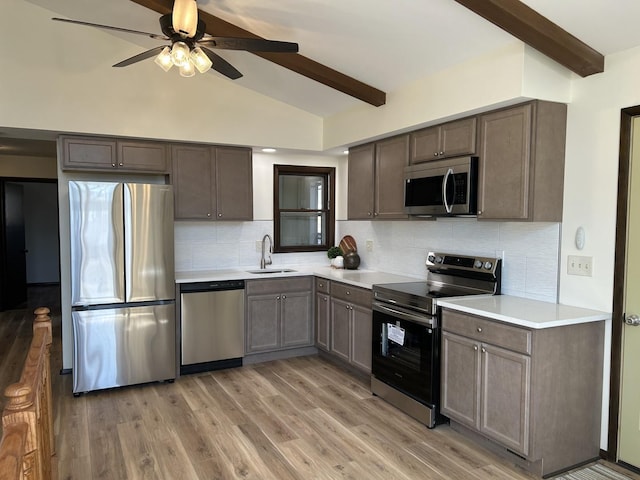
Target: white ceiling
[386,44]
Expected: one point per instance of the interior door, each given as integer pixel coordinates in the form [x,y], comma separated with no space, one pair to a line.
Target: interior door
[629,428]
[14,284]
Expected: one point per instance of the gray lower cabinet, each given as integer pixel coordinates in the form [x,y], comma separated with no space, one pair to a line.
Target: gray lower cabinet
[535,393]
[323,313]
[350,325]
[278,314]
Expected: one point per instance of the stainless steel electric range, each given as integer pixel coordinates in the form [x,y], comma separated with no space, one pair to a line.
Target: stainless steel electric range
[405,367]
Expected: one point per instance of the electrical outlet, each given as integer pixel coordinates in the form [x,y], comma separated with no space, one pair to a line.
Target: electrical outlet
[577,265]
[258,246]
[369,245]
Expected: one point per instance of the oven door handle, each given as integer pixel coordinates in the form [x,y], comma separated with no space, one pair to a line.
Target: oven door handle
[402,315]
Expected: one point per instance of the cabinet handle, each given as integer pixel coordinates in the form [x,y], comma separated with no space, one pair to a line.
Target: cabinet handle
[369,214]
[348,292]
[208,214]
[441,153]
[278,297]
[479,330]
[435,154]
[113,165]
[324,299]
[475,347]
[284,296]
[121,164]
[375,214]
[484,350]
[219,215]
[479,212]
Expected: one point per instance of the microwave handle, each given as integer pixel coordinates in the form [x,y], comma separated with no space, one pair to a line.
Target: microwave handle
[445,181]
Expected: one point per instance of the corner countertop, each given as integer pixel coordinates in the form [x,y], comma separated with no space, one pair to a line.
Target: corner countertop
[358,278]
[523,311]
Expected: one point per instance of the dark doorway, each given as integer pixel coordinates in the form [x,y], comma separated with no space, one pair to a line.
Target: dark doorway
[13,291]
[29,238]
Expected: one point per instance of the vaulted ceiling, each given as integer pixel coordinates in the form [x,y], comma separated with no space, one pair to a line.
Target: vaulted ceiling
[364,49]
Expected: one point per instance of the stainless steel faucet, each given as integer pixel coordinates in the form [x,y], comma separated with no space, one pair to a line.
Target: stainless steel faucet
[263,261]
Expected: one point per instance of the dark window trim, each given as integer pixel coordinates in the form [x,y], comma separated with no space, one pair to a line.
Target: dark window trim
[330,173]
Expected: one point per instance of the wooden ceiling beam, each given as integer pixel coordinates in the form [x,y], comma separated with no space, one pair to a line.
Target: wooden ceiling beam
[524,23]
[293,61]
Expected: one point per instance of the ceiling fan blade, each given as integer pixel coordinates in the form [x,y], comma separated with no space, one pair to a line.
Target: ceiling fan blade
[250,44]
[109,27]
[221,65]
[141,56]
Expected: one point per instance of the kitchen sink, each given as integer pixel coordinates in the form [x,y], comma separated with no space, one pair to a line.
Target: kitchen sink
[271,270]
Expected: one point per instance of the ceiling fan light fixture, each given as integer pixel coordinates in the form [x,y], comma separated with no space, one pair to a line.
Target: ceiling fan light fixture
[179,54]
[187,69]
[185,17]
[200,60]
[164,60]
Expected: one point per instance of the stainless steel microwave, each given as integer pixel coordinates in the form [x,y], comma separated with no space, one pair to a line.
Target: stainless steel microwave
[442,188]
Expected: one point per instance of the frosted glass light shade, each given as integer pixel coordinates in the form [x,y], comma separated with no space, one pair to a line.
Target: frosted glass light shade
[163,60]
[187,69]
[200,60]
[185,17]
[180,53]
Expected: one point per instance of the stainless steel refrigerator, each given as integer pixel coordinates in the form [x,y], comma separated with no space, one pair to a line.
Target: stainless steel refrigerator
[122,284]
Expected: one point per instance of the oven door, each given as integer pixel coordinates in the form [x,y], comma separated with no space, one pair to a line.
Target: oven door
[405,352]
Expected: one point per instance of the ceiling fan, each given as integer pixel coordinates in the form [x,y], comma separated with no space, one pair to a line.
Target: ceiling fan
[190,45]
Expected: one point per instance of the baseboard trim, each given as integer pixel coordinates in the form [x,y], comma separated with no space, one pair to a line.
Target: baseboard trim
[628,466]
[44,284]
[66,371]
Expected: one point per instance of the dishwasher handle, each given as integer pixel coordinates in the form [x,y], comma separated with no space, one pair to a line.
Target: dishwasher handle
[213,286]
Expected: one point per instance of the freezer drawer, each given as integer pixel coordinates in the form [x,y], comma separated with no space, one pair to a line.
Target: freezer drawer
[212,326]
[114,347]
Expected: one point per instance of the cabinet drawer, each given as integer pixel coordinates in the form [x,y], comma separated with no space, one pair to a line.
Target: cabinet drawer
[349,293]
[487,331]
[279,285]
[323,285]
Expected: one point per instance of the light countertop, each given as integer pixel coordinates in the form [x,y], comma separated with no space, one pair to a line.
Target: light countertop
[360,278]
[523,311]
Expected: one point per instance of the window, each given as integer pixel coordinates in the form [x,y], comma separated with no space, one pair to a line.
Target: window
[303,208]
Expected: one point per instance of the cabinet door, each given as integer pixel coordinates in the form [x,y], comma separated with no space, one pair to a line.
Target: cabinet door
[234,181]
[504,172]
[85,153]
[262,332]
[341,329]
[425,145]
[458,138]
[143,156]
[391,157]
[295,321]
[505,406]
[361,182]
[460,373]
[193,182]
[361,333]
[323,310]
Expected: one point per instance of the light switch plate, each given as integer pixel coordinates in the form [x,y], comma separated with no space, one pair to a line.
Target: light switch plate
[369,245]
[579,265]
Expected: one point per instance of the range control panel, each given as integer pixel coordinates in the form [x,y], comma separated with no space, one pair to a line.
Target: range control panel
[446,261]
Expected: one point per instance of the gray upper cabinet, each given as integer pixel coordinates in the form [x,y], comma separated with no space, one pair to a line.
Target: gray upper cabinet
[441,141]
[521,172]
[376,179]
[532,392]
[212,183]
[102,154]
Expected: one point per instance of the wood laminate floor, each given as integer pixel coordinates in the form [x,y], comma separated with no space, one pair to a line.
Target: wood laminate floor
[301,418]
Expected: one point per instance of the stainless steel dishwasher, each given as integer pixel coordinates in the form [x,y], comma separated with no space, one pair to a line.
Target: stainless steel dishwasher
[212,325]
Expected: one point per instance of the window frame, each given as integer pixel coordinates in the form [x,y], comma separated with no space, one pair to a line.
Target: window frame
[329,174]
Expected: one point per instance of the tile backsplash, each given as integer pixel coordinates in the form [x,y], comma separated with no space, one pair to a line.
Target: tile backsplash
[530,251]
